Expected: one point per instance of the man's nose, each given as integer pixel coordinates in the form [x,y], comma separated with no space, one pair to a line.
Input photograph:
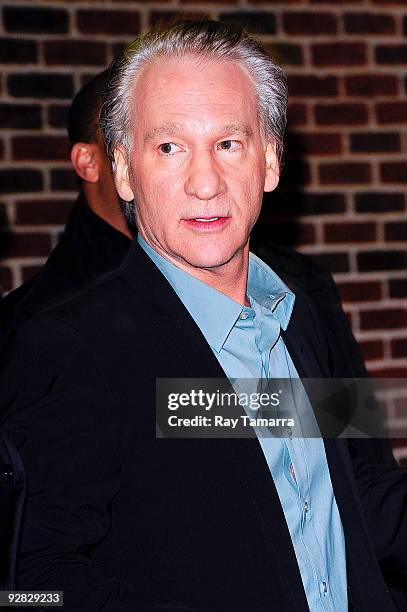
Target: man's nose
[204,179]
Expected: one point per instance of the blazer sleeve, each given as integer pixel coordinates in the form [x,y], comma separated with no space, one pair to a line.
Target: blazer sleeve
[57,410]
[383,493]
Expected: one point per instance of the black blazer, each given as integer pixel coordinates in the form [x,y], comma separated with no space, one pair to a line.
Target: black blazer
[89,247]
[12,497]
[122,521]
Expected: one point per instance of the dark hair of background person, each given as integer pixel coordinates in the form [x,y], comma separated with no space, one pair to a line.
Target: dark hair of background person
[83,116]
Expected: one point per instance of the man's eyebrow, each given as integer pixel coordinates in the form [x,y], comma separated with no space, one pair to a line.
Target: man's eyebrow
[166,129]
[236,128]
[172,128]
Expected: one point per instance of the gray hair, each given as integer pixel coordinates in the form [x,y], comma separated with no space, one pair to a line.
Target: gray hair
[206,40]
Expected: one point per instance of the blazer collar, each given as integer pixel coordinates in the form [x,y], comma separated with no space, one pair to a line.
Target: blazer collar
[302,337]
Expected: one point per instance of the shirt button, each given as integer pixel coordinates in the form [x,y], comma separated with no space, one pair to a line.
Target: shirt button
[306,507]
[243,315]
[324,587]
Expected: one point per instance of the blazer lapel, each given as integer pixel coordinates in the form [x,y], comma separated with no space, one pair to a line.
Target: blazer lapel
[193,357]
[304,339]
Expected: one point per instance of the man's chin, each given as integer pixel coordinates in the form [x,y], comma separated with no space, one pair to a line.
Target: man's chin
[209,261]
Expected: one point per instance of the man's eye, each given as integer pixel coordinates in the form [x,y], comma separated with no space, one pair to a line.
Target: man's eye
[228,145]
[169,147]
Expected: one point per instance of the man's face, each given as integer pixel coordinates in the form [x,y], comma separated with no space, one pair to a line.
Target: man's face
[198,165]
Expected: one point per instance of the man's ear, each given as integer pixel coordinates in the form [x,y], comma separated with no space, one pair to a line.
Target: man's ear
[85,161]
[272,168]
[121,175]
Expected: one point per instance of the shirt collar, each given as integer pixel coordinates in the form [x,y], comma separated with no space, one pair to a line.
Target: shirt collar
[268,290]
[216,322]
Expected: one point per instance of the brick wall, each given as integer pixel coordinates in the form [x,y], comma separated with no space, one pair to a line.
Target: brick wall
[342,193]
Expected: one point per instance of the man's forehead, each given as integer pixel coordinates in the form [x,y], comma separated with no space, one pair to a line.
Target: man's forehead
[182,96]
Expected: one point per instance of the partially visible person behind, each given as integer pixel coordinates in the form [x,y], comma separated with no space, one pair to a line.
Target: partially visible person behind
[97,236]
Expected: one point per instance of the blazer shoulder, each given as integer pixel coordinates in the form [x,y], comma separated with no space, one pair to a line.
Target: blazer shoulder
[287,261]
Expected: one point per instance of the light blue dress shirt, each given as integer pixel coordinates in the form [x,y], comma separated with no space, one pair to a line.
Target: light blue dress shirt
[248,345]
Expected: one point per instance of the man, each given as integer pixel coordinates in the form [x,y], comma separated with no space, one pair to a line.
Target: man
[121,520]
[97,236]
[96,240]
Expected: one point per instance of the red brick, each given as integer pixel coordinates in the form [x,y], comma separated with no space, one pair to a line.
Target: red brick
[398,287]
[349,232]
[332,262]
[260,22]
[35,20]
[40,85]
[390,372]
[75,52]
[309,23]
[341,114]
[399,349]
[372,349]
[108,22]
[28,245]
[18,51]
[216,1]
[393,172]
[339,54]
[400,405]
[375,142]
[20,116]
[391,54]
[304,203]
[297,114]
[164,17]
[391,112]
[28,272]
[312,86]
[40,148]
[272,2]
[396,231]
[381,260]
[6,279]
[370,85]
[4,221]
[314,144]
[285,53]
[20,180]
[43,212]
[379,201]
[390,2]
[369,23]
[144,1]
[385,318]
[360,291]
[345,172]
[334,1]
